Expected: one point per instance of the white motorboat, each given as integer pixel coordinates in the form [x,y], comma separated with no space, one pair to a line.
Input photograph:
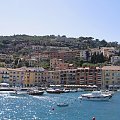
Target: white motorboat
[95,95]
[65,90]
[22,91]
[5,89]
[54,91]
[35,92]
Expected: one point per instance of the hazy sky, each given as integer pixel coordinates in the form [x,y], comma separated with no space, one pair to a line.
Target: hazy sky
[73,18]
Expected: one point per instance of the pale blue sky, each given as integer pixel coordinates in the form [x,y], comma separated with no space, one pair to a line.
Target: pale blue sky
[73,18]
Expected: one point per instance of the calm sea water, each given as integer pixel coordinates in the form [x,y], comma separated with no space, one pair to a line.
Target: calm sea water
[45,108]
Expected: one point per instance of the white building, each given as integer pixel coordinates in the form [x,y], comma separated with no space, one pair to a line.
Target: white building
[115,59]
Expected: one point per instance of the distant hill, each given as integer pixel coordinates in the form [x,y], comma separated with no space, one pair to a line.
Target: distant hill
[20,43]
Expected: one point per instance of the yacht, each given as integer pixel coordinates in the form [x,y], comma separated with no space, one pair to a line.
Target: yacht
[96,95]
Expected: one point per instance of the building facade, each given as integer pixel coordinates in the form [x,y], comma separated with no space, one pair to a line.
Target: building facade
[111,76]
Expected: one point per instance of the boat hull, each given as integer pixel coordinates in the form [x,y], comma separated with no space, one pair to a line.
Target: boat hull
[62,105]
[106,98]
[36,92]
[96,95]
[53,92]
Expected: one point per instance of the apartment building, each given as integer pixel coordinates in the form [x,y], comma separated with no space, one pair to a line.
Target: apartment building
[89,76]
[115,59]
[55,62]
[62,54]
[16,77]
[111,76]
[4,75]
[83,54]
[29,77]
[108,51]
[67,76]
[39,77]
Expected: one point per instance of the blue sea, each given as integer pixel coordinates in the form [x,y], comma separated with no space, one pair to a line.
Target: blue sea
[45,107]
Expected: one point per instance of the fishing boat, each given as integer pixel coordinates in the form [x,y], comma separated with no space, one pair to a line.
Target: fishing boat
[96,95]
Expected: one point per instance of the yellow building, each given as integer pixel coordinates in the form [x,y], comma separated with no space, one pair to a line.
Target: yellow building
[26,77]
[111,76]
[16,76]
[29,77]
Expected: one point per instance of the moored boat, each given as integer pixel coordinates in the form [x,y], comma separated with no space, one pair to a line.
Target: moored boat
[80,90]
[66,90]
[5,89]
[22,91]
[54,91]
[96,95]
[35,92]
[107,92]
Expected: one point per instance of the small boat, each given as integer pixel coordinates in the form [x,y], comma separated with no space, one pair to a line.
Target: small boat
[73,90]
[65,90]
[80,90]
[62,104]
[35,92]
[54,91]
[96,95]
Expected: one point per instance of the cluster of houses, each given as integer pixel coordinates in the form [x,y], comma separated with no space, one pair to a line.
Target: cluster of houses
[64,53]
[60,72]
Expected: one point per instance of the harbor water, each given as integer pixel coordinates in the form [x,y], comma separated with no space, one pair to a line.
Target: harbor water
[45,107]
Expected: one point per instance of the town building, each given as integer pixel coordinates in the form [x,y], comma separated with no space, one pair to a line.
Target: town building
[89,76]
[110,76]
[32,62]
[4,75]
[67,77]
[16,77]
[108,51]
[59,64]
[83,55]
[115,59]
